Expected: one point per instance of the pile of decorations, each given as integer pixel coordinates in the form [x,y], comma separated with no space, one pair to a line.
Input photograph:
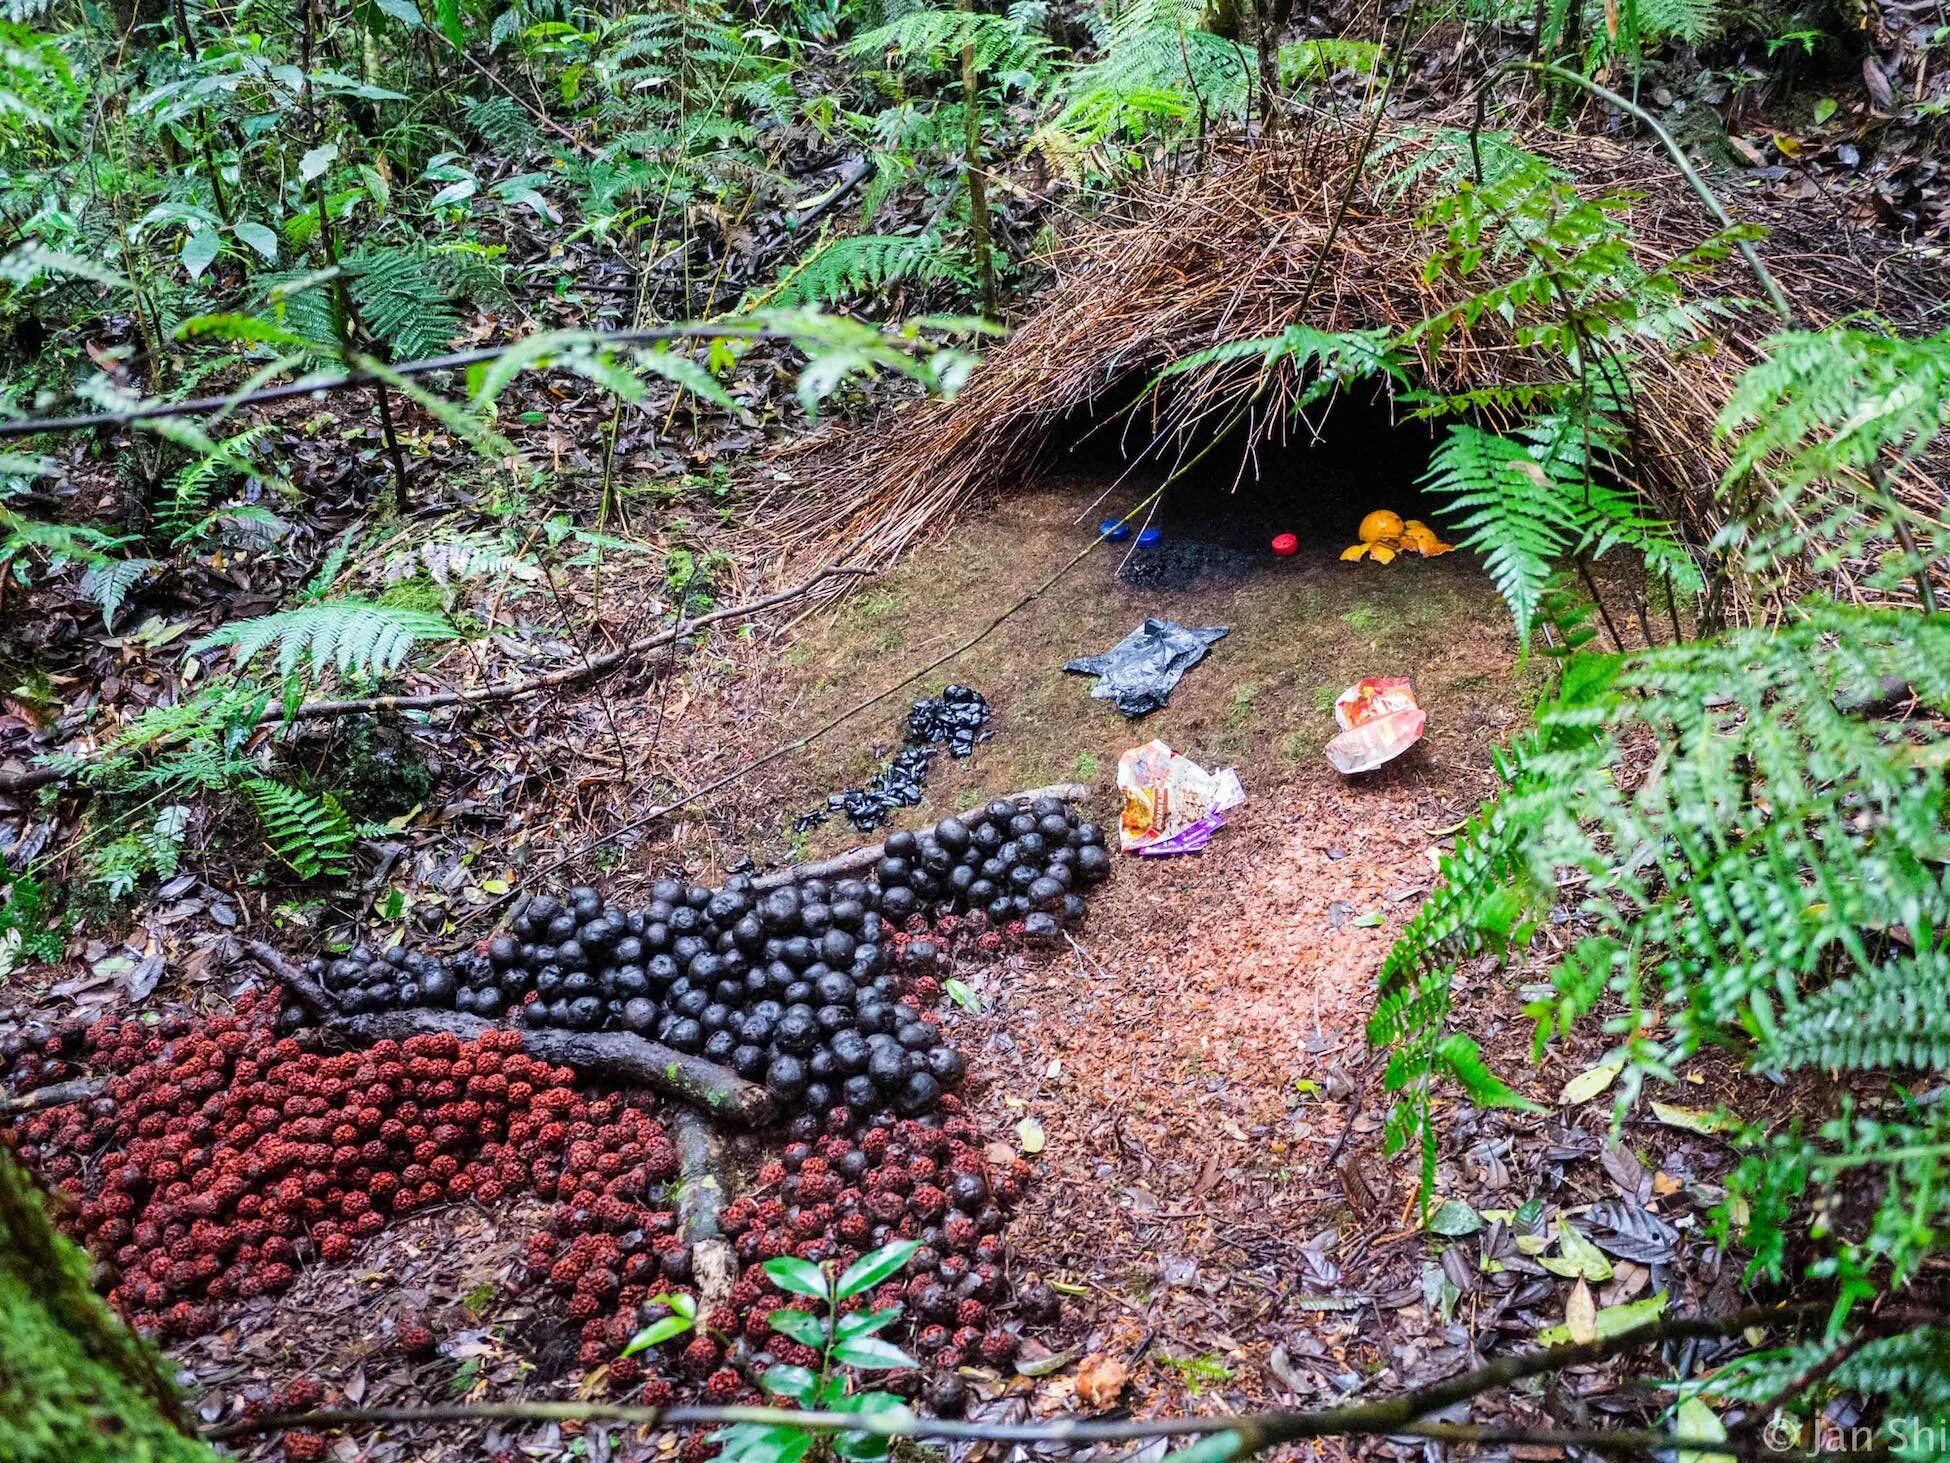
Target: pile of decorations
[219,1156]
[799,988]
[843,1186]
[953,719]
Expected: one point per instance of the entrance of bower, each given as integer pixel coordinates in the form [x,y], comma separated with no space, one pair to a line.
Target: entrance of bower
[1230,494]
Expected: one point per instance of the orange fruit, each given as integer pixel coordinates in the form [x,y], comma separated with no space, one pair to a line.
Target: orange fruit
[1379,525]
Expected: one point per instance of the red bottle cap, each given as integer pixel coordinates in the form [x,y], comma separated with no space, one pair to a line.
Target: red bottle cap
[1286,545]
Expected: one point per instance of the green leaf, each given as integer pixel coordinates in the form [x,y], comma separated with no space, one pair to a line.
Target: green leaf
[405,12]
[799,1277]
[316,160]
[795,1382]
[1612,1320]
[200,247]
[1577,1257]
[1454,1220]
[1824,109]
[258,237]
[865,1323]
[750,1442]
[1590,1082]
[447,12]
[1697,1423]
[806,1330]
[869,1270]
[1214,1448]
[656,1333]
[870,1353]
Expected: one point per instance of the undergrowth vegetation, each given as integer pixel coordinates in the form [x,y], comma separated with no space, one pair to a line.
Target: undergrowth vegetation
[1726,836]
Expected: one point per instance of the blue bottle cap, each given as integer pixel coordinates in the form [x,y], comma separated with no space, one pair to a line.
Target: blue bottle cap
[1114,530]
[1150,539]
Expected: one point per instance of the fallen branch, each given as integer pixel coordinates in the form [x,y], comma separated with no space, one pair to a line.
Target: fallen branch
[1387,1417]
[700,1199]
[589,668]
[55,1094]
[619,1056]
[843,865]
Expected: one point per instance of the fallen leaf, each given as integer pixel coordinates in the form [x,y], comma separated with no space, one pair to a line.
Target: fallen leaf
[1577,1256]
[1101,1381]
[1696,1119]
[1029,1136]
[1590,1082]
[1454,1220]
[1581,1314]
[1697,1423]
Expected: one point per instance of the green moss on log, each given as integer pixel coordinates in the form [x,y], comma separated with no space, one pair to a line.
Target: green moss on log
[75,1385]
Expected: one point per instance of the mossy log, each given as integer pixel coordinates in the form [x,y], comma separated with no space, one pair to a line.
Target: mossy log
[76,1386]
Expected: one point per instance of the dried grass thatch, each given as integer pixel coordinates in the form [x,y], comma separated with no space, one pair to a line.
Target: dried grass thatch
[1230,254]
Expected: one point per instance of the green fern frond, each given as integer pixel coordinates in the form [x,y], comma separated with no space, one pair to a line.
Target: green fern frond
[357,637]
[186,496]
[1892,1015]
[844,268]
[310,833]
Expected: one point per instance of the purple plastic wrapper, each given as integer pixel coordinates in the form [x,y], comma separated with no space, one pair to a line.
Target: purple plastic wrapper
[1186,840]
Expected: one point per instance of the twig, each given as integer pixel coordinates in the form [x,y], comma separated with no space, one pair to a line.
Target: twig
[348,380]
[56,1094]
[1257,1431]
[621,1056]
[591,667]
[1651,123]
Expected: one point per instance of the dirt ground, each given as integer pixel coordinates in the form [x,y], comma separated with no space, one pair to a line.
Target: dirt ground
[1214,1198]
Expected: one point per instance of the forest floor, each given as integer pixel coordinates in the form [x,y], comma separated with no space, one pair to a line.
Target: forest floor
[1191,1072]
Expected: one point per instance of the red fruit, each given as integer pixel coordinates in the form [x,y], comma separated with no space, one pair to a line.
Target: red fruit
[722,1386]
[304,1447]
[414,1339]
[700,1357]
[300,1394]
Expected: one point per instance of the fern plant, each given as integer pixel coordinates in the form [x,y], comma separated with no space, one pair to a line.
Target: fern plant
[842,268]
[1774,880]
[1819,427]
[356,637]
[310,832]
[1526,502]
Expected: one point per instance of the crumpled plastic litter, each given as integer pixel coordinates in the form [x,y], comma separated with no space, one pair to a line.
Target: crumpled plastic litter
[955,719]
[1139,671]
[1379,719]
[1171,804]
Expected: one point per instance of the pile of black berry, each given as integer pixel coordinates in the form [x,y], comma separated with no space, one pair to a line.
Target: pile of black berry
[797,987]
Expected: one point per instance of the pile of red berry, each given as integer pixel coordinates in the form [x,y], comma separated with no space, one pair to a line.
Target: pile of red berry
[228,1156]
[842,1187]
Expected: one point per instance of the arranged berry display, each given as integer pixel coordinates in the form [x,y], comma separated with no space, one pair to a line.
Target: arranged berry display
[220,1156]
[798,987]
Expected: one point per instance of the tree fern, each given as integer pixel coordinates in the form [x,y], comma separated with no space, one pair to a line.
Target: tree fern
[310,833]
[356,637]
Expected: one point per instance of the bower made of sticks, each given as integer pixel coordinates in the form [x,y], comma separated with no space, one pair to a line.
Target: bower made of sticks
[1246,248]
